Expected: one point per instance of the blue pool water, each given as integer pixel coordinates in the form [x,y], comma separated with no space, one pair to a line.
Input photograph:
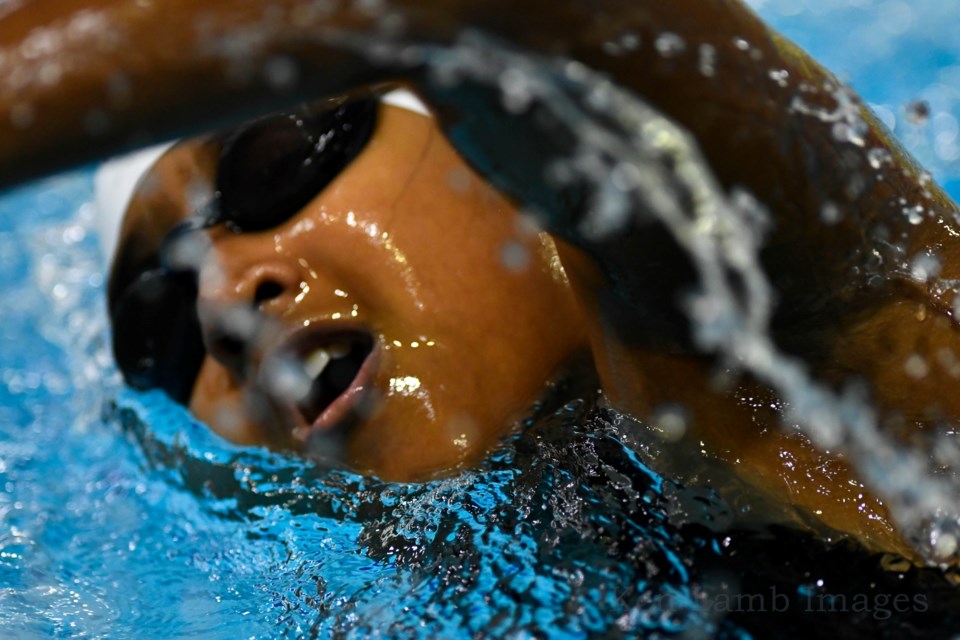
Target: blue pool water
[124,518]
[121,517]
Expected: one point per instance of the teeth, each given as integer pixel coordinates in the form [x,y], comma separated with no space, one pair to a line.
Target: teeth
[316,362]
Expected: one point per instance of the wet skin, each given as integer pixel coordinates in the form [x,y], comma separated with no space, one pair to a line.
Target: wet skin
[844,317]
[405,246]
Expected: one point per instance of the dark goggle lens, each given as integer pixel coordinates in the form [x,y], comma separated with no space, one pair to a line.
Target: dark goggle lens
[156,333]
[273,167]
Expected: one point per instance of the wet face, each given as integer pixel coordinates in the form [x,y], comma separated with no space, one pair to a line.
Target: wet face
[400,322]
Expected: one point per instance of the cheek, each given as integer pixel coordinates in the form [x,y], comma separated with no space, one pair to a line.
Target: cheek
[501,335]
[522,304]
[218,401]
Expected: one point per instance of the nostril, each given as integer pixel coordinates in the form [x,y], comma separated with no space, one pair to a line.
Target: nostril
[231,345]
[266,291]
[228,349]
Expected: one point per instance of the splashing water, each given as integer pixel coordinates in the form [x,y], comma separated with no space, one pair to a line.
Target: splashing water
[640,167]
[124,517]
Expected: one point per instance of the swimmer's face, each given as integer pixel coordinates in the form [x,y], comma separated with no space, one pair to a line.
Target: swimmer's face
[404,318]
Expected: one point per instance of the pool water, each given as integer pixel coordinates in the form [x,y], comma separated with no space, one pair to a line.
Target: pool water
[125,518]
[120,516]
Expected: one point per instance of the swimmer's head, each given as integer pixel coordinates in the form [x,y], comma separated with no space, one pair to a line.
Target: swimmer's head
[338,280]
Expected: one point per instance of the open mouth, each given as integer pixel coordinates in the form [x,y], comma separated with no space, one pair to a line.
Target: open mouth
[334,371]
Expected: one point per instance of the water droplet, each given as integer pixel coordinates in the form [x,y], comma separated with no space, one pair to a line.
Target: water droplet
[708,60]
[49,73]
[630,41]
[945,546]
[924,267]
[285,378]
[830,213]
[514,256]
[515,86]
[670,422]
[780,76]
[281,72]
[949,361]
[848,132]
[916,366]
[878,157]
[670,44]
[229,416]
[624,43]
[626,176]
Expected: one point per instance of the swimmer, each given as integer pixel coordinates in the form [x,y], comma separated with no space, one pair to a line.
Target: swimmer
[501,334]
[374,271]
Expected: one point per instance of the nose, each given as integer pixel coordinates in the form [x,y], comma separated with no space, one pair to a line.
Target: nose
[233,301]
[269,286]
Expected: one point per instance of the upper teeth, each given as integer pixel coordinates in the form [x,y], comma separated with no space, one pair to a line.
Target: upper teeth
[316,362]
[318,359]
